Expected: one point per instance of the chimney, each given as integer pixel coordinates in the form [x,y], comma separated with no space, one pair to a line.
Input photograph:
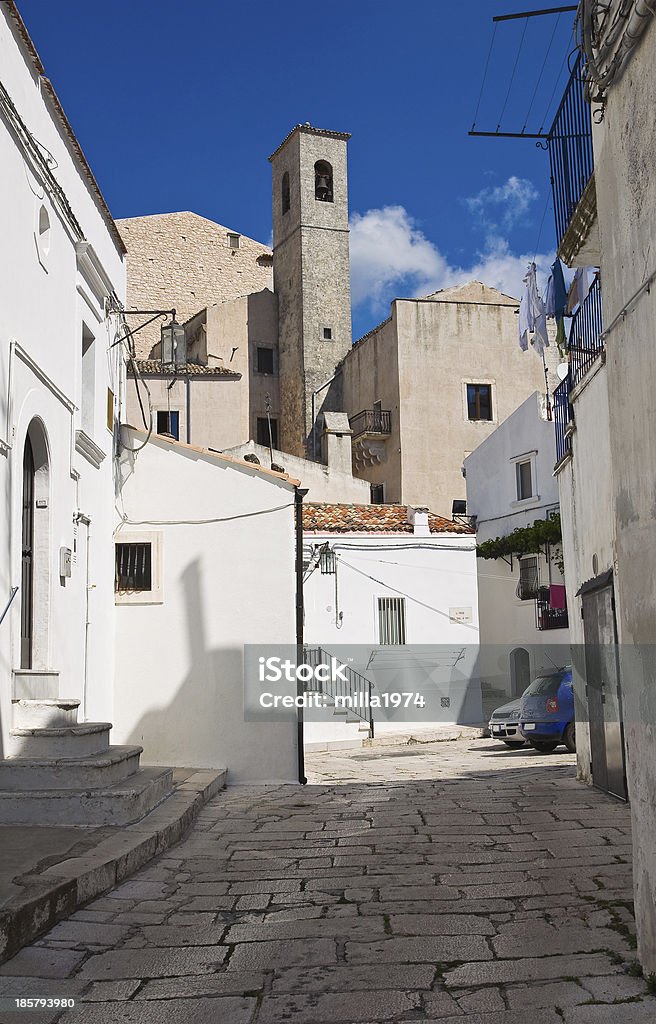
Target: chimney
[336,442]
[418,519]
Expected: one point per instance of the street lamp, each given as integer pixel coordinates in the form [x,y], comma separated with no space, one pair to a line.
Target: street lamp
[173,344]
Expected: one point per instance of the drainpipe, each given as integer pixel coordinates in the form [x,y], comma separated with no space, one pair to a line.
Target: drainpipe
[314,412]
[299,494]
[80,517]
[188,408]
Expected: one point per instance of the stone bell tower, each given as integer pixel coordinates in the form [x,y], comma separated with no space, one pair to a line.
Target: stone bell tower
[310,278]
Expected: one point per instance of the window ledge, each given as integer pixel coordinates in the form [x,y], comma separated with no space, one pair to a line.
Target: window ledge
[526,502]
[89,449]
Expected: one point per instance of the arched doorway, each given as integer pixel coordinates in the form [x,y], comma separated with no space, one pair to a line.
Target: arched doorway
[520,670]
[35,550]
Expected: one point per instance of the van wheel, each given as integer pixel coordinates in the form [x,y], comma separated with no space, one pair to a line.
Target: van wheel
[543,746]
[569,739]
[514,743]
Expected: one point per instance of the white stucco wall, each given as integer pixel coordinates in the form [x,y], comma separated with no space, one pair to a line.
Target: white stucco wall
[323,483]
[179,678]
[436,574]
[507,622]
[47,292]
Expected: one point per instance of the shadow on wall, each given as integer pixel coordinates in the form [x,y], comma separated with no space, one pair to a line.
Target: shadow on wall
[203,725]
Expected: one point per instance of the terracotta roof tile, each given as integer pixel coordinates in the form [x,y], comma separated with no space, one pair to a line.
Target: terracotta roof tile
[194,369]
[326,518]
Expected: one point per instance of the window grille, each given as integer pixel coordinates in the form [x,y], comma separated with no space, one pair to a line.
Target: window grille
[327,562]
[391,620]
[133,567]
[529,579]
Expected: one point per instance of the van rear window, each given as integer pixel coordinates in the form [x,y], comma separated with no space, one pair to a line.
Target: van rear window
[544,686]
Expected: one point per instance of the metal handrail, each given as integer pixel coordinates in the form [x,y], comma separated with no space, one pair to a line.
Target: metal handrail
[585,336]
[357,683]
[12,595]
[371,421]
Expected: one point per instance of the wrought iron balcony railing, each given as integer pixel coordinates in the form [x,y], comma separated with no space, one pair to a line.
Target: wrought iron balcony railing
[547,617]
[371,421]
[585,341]
[563,416]
[570,150]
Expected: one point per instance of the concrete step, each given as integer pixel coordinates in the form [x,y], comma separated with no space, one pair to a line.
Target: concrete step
[35,683]
[363,726]
[340,712]
[122,803]
[96,771]
[44,713]
[64,743]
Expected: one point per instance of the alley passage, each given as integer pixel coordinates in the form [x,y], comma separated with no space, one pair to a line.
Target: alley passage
[448,881]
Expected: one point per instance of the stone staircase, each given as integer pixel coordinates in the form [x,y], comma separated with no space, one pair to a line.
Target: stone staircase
[60,771]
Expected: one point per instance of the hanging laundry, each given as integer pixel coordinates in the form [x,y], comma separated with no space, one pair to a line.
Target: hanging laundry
[531,315]
[555,300]
[579,288]
[557,596]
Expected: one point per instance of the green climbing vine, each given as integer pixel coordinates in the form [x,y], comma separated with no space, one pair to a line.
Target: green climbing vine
[526,540]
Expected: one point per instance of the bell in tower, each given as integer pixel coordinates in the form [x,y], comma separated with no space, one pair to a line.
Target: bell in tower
[323,181]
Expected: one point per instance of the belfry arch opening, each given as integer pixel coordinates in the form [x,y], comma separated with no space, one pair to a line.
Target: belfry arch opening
[323,181]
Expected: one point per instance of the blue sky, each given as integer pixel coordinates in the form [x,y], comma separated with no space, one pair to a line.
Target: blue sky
[178,105]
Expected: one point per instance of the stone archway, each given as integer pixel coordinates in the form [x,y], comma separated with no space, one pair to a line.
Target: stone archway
[35,552]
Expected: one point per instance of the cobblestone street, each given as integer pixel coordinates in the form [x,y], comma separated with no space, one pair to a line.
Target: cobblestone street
[431,882]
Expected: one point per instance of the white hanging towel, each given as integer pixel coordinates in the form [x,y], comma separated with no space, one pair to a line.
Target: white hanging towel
[532,315]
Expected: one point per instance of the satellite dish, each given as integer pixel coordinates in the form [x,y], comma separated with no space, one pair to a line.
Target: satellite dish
[562,370]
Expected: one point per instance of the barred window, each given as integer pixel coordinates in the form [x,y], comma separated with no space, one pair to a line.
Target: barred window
[529,579]
[391,620]
[133,568]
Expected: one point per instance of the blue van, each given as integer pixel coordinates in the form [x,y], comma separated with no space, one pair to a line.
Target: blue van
[546,717]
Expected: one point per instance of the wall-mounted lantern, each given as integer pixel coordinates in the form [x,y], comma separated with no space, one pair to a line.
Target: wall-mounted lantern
[174,344]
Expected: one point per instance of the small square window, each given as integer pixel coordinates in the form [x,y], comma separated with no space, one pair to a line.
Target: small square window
[233,240]
[479,401]
[168,422]
[262,432]
[133,568]
[327,333]
[529,579]
[264,360]
[524,480]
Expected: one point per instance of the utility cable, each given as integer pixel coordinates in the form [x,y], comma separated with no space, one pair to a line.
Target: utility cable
[512,77]
[487,64]
[544,64]
[204,522]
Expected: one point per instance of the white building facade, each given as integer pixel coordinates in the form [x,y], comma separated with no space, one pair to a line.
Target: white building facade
[61,269]
[510,485]
[391,591]
[206,555]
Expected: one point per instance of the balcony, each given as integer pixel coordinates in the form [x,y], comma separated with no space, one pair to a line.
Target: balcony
[563,418]
[547,617]
[585,338]
[373,423]
[572,175]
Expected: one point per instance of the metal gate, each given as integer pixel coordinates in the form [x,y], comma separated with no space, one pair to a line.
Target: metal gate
[603,686]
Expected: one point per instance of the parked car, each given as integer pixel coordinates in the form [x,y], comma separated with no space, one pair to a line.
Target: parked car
[504,724]
[547,712]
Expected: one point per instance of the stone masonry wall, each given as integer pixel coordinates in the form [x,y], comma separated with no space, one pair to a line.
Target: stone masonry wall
[183,261]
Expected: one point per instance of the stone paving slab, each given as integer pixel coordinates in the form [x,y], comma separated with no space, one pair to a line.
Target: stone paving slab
[460,883]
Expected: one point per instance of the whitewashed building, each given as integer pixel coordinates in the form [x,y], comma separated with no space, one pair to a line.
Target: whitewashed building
[521,596]
[390,591]
[205,556]
[61,272]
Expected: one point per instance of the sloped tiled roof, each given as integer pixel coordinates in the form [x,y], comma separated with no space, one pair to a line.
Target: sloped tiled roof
[326,518]
[154,366]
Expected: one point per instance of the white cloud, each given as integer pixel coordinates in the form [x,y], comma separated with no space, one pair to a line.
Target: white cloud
[504,205]
[390,257]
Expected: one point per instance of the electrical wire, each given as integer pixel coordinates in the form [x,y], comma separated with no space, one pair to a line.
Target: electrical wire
[544,64]
[487,64]
[512,77]
[205,522]
[402,593]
